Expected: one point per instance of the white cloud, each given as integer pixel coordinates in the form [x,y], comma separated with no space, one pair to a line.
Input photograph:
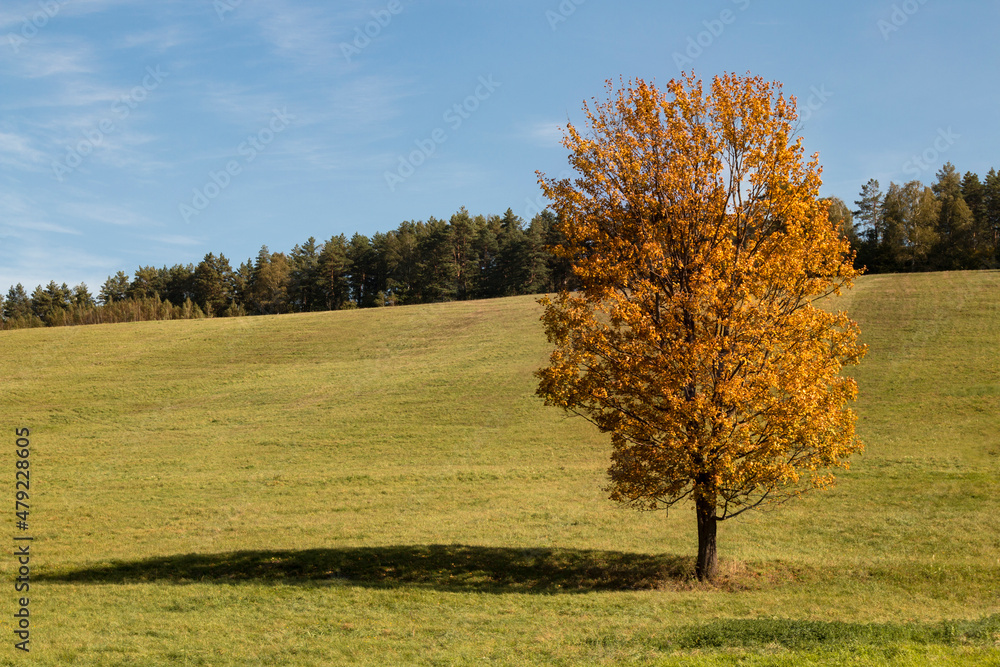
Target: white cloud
[158,40]
[37,261]
[16,151]
[547,134]
[176,239]
[40,226]
[48,58]
[106,213]
[308,34]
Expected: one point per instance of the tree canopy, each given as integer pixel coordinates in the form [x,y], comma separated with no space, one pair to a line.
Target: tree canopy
[696,232]
[464,257]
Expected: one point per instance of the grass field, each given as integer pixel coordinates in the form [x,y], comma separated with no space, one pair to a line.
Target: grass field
[382,487]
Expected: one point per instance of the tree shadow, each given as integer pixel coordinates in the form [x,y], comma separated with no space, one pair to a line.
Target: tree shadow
[440,567]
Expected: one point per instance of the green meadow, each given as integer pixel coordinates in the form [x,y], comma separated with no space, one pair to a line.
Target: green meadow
[382,487]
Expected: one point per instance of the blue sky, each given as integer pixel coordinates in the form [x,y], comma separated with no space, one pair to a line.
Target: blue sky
[150,133]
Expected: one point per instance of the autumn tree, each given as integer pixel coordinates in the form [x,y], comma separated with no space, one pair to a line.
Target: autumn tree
[701,247]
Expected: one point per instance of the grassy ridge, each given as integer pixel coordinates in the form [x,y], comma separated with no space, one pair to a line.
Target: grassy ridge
[383,487]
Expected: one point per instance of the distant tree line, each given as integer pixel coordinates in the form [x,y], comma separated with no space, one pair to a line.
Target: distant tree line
[465,257]
[952,225]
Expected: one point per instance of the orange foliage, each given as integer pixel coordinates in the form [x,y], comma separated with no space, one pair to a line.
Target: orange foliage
[697,234]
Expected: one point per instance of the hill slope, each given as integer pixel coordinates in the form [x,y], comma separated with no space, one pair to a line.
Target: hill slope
[335,450]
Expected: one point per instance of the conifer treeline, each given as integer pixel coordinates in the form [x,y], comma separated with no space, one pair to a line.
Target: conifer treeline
[952,225]
[465,257]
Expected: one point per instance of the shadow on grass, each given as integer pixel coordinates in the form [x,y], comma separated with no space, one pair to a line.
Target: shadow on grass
[442,567]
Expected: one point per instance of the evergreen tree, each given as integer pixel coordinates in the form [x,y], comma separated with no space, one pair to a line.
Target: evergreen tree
[954,223]
[922,230]
[363,271]
[437,270]
[304,264]
[992,213]
[464,256]
[178,283]
[148,282]
[82,298]
[271,277]
[536,258]
[115,288]
[488,251]
[49,301]
[869,211]
[560,268]
[17,304]
[511,275]
[213,284]
[333,273]
[402,261]
[869,223]
[896,212]
[242,281]
[379,283]
[981,234]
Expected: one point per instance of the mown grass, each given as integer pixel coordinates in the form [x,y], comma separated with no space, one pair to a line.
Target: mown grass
[382,487]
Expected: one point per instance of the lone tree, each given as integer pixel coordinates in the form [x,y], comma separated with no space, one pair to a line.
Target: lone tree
[701,246]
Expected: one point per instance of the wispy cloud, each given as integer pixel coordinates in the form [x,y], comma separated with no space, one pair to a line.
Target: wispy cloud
[156,41]
[176,239]
[106,213]
[547,134]
[83,7]
[16,151]
[40,226]
[34,262]
[19,214]
[49,58]
[310,35]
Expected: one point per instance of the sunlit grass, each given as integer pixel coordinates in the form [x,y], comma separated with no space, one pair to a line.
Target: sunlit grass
[383,487]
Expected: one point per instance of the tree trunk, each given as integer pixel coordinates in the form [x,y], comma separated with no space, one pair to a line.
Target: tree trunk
[707,559]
